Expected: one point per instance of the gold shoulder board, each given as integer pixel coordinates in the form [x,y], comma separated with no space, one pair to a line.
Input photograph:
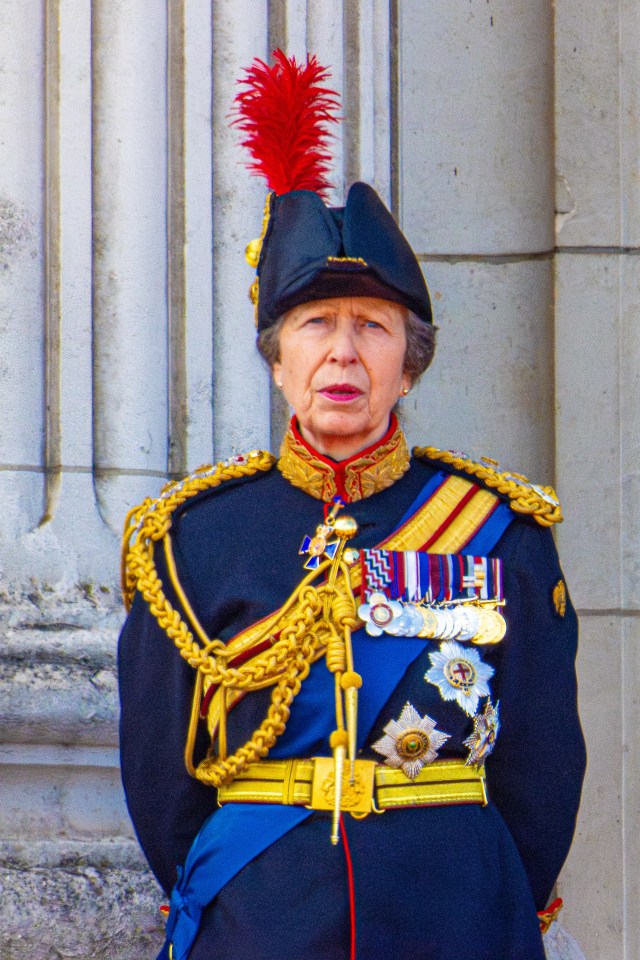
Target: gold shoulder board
[150,520]
[523,496]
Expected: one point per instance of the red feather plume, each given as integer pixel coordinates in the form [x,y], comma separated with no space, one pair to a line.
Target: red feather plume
[284,115]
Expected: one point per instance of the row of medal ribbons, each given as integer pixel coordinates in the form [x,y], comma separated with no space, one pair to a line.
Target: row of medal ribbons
[438,596]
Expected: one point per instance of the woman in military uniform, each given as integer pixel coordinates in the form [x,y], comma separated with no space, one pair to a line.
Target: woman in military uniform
[349,722]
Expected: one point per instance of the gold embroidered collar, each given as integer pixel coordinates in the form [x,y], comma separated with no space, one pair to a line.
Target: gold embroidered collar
[368,472]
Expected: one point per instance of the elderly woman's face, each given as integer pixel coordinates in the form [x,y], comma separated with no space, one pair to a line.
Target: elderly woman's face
[341,368]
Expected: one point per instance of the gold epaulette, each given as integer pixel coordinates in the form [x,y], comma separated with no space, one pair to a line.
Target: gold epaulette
[150,520]
[523,496]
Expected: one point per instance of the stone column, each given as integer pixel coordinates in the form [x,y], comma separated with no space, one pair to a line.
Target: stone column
[127,356]
[240,383]
[473,167]
[105,389]
[22,246]
[597,350]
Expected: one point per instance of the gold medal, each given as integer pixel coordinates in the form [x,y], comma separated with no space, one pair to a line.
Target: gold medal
[502,626]
[492,627]
[430,622]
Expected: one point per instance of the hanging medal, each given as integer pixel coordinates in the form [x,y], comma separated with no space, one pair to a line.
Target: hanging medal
[319,546]
[438,597]
[378,615]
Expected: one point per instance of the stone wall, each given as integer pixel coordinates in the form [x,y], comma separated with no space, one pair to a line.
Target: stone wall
[124,213]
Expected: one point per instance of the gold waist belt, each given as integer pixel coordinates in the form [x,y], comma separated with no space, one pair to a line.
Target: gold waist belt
[375,787]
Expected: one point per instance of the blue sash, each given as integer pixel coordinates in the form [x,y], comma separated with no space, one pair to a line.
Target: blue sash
[237,833]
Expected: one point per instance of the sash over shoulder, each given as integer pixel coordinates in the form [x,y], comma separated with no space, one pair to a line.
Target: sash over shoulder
[452,513]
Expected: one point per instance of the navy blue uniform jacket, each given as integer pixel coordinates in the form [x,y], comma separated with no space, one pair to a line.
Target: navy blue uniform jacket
[438,882]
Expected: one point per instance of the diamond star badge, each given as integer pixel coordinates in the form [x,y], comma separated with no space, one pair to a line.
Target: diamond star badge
[460,674]
[410,742]
[485,730]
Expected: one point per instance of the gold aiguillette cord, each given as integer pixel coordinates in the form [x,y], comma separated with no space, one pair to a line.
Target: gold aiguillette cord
[340,610]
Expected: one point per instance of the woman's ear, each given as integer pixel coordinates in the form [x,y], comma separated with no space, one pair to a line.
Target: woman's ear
[276,371]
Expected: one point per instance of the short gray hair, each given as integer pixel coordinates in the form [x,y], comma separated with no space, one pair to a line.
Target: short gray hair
[421,344]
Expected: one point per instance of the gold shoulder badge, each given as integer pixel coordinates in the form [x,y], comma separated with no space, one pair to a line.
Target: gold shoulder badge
[150,520]
[560,598]
[524,497]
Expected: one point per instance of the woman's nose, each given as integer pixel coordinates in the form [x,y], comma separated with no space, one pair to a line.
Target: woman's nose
[343,347]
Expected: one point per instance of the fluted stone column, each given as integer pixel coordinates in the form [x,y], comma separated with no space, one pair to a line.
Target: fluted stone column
[240,383]
[127,356]
[597,361]
[474,167]
[22,213]
[130,250]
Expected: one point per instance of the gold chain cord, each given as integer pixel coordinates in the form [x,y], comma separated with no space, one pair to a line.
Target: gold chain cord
[306,626]
[305,633]
[525,498]
[309,623]
[149,521]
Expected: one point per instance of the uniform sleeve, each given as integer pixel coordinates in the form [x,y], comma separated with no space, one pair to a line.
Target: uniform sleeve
[166,804]
[535,774]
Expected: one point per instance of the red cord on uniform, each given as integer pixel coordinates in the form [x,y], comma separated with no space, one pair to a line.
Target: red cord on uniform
[352,891]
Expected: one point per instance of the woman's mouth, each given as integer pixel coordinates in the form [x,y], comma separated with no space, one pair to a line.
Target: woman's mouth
[341,392]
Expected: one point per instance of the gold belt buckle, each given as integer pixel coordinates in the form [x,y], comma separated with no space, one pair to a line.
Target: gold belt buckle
[357,797]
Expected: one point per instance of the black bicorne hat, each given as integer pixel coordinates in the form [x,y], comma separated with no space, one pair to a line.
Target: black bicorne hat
[312,252]
[309,251]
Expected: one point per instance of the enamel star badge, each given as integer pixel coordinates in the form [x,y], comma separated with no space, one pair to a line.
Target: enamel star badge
[460,674]
[485,731]
[410,742]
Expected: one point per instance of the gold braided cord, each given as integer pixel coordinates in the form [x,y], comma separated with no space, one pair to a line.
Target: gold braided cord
[127,580]
[196,626]
[537,501]
[149,521]
[192,730]
[305,633]
[210,659]
[302,627]
[299,646]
